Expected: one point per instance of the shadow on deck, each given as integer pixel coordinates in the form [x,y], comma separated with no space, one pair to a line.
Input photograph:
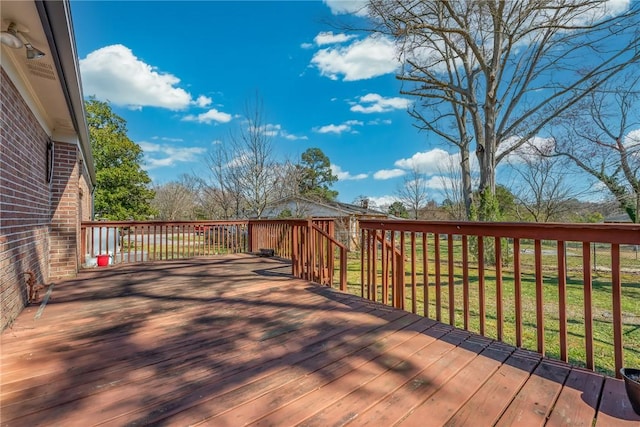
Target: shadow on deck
[236,340]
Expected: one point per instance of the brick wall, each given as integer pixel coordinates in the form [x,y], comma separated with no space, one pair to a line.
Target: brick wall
[24,201]
[86,205]
[39,220]
[65,220]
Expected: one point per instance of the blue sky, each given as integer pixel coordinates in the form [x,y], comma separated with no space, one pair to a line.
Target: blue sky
[180,74]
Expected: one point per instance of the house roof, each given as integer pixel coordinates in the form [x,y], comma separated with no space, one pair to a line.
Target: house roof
[51,85]
[342,209]
[623,217]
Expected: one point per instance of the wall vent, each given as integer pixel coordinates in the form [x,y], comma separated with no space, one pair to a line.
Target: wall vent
[41,69]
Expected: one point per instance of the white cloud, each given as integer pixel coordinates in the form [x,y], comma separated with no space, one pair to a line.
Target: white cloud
[379,122]
[632,139]
[162,155]
[327,37]
[600,11]
[529,150]
[388,173]
[338,129]
[113,73]
[212,115]
[382,201]
[271,130]
[429,162]
[307,45]
[164,138]
[340,7]
[274,130]
[333,129]
[346,176]
[291,137]
[363,59]
[441,183]
[203,101]
[374,103]
[241,158]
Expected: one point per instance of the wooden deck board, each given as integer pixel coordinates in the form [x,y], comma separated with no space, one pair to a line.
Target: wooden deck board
[401,369]
[236,340]
[533,403]
[615,409]
[578,401]
[439,407]
[333,367]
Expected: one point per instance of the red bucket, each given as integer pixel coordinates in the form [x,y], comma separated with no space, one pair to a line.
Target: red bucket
[103,260]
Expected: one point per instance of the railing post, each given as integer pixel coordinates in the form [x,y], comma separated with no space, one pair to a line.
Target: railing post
[562,298]
[311,263]
[385,269]
[295,255]
[616,294]
[250,238]
[363,279]
[587,286]
[343,270]
[399,292]
[83,244]
[539,296]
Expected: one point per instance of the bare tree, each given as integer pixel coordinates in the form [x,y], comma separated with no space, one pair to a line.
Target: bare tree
[540,189]
[602,138]
[452,185]
[243,173]
[176,200]
[220,191]
[487,72]
[413,193]
[289,178]
[254,167]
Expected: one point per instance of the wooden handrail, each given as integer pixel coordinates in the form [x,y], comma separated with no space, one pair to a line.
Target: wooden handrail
[497,275]
[605,233]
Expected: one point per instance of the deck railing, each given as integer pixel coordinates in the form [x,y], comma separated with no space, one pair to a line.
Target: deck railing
[139,241]
[310,244]
[568,291]
[531,285]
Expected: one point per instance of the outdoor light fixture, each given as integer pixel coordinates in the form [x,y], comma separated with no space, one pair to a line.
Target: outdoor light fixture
[10,37]
[15,39]
[32,52]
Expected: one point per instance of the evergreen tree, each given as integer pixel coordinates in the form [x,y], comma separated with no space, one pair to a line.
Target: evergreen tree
[122,190]
[397,209]
[316,176]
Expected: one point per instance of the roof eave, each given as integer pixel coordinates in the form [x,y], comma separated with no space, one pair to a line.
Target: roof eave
[61,41]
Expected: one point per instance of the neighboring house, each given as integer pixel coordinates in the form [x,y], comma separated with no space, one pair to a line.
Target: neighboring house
[619,218]
[46,167]
[345,215]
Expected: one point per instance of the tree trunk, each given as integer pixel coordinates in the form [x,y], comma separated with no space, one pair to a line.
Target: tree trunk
[467,186]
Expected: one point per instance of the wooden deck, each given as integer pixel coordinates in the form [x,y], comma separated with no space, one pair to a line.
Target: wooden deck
[235,340]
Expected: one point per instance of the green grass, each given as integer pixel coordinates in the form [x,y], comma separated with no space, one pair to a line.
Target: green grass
[601,299]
